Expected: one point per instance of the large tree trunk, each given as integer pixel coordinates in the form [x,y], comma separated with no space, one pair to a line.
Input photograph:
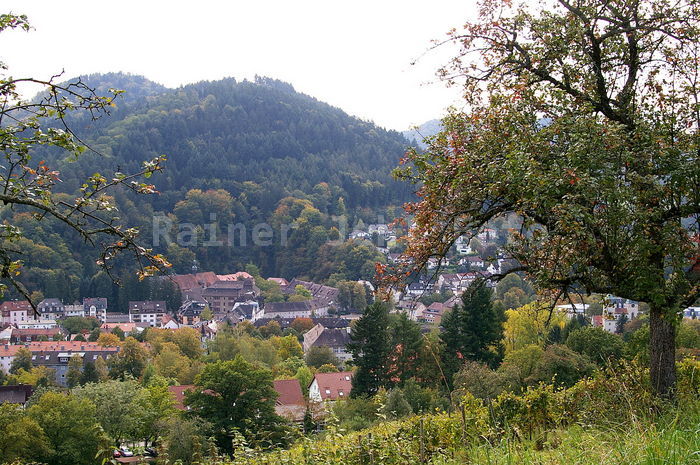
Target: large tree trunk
[662,351]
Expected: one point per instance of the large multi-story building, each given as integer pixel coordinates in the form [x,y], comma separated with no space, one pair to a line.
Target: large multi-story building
[16,311]
[51,309]
[95,307]
[57,360]
[222,295]
[147,311]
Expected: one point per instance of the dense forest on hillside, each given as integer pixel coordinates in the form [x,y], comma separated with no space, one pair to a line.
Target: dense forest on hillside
[238,153]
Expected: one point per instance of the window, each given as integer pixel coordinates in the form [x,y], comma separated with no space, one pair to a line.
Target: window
[340,393]
[328,391]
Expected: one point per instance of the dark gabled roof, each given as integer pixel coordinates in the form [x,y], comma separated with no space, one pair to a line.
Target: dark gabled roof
[98,302]
[147,306]
[113,317]
[318,291]
[53,357]
[331,323]
[51,302]
[288,307]
[245,310]
[18,394]
[191,308]
[418,286]
[333,338]
[283,322]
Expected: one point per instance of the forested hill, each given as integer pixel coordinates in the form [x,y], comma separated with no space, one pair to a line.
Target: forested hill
[220,134]
[418,134]
[244,153]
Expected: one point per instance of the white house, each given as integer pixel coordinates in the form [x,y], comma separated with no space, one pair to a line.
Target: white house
[73,310]
[380,229]
[37,324]
[573,309]
[487,235]
[150,312]
[462,245]
[7,355]
[305,309]
[328,387]
[249,310]
[614,308]
[16,311]
[51,309]
[692,313]
[336,339]
[95,307]
[473,261]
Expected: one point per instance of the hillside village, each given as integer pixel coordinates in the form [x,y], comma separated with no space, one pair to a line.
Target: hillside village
[228,271]
[212,301]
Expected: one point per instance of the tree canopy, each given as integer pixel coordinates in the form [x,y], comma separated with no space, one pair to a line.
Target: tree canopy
[583,122]
[237,396]
[30,185]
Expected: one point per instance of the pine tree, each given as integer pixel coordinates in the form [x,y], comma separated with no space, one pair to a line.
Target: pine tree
[620,325]
[74,374]
[472,330]
[22,361]
[406,344]
[370,349]
[90,374]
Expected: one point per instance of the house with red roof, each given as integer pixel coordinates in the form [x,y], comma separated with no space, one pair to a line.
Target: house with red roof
[178,393]
[290,403]
[327,387]
[16,311]
[234,276]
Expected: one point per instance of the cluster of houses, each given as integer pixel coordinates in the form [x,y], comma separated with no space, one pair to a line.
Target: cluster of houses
[615,310]
[236,297]
[229,298]
[291,403]
[56,355]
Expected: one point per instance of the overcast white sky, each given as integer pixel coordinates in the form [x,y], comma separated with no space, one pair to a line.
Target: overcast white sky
[354,54]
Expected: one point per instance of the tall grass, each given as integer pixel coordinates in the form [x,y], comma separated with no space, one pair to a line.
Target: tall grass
[608,420]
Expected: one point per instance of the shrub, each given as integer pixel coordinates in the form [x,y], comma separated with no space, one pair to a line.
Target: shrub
[481,381]
[598,344]
[561,366]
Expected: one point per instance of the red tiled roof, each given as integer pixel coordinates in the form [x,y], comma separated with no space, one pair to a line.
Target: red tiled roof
[289,391]
[15,305]
[234,276]
[178,393]
[66,346]
[334,386]
[437,307]
[126,327]
[35,332]
[192,281]
[7,350]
